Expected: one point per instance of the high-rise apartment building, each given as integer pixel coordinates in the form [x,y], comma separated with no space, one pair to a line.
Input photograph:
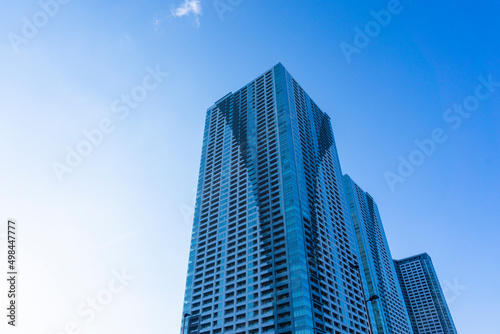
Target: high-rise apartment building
[425,301]
[273,247]
[387,308]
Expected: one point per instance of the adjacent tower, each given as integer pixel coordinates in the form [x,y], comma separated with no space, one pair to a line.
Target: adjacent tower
[386,304]
[273,248]
[424,298]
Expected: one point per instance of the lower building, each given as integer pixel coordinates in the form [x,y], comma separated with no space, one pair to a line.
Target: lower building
[427,307]
[382,291]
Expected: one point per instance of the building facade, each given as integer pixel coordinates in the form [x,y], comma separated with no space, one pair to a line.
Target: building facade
[273,247]
[387,309]
[425,301]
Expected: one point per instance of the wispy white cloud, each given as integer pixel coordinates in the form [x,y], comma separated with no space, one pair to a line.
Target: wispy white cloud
[158,20]
[189,7]
[186,8]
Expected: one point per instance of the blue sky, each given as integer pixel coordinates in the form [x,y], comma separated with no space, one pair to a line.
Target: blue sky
[127,204]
